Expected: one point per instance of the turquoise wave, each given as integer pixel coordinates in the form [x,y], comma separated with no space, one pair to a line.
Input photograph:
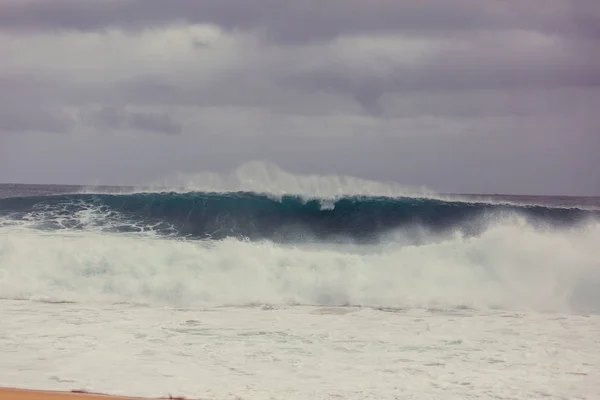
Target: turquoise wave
[254,216]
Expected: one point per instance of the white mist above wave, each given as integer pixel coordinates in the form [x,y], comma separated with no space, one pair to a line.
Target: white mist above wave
[511,265]
[268,178]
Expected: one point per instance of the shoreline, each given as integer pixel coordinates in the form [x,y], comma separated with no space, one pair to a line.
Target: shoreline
[30,394]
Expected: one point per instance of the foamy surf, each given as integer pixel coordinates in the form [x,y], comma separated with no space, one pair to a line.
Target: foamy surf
[510,266]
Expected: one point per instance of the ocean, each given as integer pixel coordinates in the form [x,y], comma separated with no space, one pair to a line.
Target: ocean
[251,294]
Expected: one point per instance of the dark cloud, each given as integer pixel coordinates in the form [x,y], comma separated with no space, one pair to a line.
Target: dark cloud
[106,117]
[474,66]
[110,117]
[161,123]
[302,21]
[15,118]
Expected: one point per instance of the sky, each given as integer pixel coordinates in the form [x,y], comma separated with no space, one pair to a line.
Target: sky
[462,96]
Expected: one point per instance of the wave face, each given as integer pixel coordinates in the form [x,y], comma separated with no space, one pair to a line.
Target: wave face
[256,217]
[243,248]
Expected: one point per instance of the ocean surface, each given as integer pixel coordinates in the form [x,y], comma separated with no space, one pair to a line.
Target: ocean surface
[258,294]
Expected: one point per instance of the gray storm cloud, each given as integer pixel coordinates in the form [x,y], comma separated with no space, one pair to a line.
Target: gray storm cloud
[461,95]
[310,20]
[115,118]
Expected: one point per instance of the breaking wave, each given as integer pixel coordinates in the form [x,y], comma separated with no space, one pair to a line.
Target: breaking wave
[240,248]
[256,217]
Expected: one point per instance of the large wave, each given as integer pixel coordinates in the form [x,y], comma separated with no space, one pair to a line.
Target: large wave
[255,217]
[356,247]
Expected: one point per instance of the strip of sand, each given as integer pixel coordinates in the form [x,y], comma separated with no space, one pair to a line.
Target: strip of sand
[21,394]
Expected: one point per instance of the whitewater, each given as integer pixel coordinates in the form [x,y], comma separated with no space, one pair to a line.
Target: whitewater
[268,285]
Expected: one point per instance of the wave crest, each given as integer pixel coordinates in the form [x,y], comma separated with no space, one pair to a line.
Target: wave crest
[256,217]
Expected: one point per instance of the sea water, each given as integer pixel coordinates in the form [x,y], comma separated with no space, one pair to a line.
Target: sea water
[259,294]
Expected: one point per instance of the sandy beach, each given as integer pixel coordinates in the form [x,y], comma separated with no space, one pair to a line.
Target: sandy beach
[21,394]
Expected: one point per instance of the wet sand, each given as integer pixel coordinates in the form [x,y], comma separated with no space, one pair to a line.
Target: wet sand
[19,394]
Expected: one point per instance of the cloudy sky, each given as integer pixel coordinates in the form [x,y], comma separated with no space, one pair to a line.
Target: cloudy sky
[455,95]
